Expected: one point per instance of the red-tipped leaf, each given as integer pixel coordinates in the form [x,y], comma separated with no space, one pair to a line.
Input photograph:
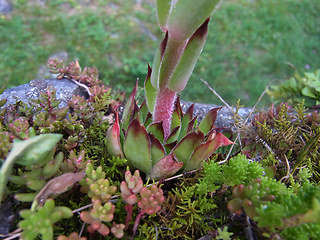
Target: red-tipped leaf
[165,167]
[205,150]
[113,139]
[136,147]
[157,130]
[157,149]
[130,108]
[187,145]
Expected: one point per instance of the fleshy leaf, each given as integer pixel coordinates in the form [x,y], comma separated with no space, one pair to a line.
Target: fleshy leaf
[188,144]
[150,91]
[173,135]
[130,108]
[113,139]
[181,27]
[136,147]
[38,149]
[157,62]
[157,149]
[169,146]
[148,120]
[165,167]
[208,122]
[183,70]
[205,150]
[176,119]
[143,112]
[185,122]
[170,60]
[157,130]
[163,9]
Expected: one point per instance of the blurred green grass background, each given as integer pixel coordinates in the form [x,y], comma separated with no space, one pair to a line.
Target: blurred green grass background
[248,45]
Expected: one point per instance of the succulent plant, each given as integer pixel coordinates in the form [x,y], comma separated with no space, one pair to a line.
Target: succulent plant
[97,215]
[96,185]
[117,230]
[41,222]
[159,138]
[131,187]
[249,197]
[72,236]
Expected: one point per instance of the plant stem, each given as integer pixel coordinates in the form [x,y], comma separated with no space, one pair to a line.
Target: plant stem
[137,221]
[128,209]
[163,109]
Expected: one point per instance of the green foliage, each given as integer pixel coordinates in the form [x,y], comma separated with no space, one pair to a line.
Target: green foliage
[298,88]
[36,150]
[41,222]
[240,170]
[224,234]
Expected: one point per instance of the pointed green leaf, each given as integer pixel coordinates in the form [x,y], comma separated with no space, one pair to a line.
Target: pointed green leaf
[114,147]
[157,130]
[157,149]
[136,147]
[38,149]
[169,146]
[150,91]
[186,17]
[170,60]
[129,108]
[205,150]
[173,136]
[188,144]
[186,118]
[176,119]
[208,122]
[157,62]
[143,112]
[189,58]
[165,167]
[163,9]
[148,120]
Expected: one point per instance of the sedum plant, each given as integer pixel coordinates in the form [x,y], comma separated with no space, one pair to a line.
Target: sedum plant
[159,138]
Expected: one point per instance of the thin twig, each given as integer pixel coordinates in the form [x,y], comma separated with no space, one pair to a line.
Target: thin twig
[217,7]
[81,85]
[288,169]
[221,99]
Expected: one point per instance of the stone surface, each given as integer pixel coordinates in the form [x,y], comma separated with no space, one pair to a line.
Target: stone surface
[5,7]
[65,89]
[225,118]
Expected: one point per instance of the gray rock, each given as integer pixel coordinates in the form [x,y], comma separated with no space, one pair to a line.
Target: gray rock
[5,7]
[65,90]
[225,118]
